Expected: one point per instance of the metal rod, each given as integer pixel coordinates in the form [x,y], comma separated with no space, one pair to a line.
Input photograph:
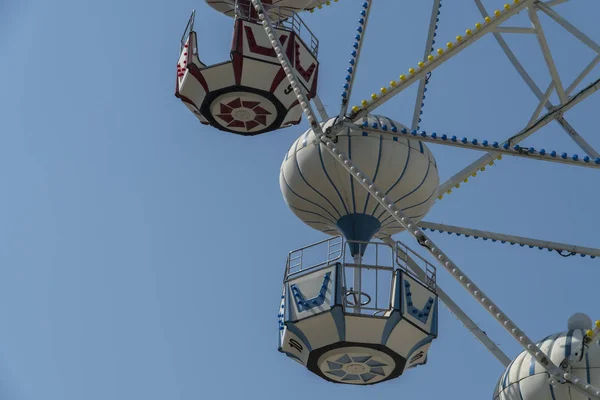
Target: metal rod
[525,152]
[448,54]
[572,29]
[541,37]
[546,244]
[534,88]
[346,100]
[522,135]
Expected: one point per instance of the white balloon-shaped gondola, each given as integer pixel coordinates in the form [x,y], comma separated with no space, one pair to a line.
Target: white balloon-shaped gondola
[526,379]
[326,197]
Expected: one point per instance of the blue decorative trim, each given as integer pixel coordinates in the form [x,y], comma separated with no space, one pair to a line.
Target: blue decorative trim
[419,314]
[358,227]
[302,303]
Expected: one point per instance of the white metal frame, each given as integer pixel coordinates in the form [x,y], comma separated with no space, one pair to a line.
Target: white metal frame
[557,374]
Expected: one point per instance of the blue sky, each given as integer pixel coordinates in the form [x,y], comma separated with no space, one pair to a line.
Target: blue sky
[142,253]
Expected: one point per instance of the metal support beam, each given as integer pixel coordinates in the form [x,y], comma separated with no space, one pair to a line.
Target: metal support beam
[358,44]
[522,135]
[541,37]
[428,46]
[456,48]
[473,144]
[572,29]
[536,90]
[524,241]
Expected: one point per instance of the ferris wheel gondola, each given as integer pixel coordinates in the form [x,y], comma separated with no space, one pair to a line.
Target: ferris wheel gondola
[362,178]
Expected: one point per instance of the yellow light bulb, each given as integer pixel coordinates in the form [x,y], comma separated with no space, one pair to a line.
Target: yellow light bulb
[478,25]
[421,64]
[468,31]
[402,77]
[430,57]
[497,13]
[393,83]
[373,96]
[459,38]
[364,103]
[411,71]
[440,51]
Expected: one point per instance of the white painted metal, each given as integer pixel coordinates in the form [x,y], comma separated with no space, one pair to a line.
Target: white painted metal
[569,27]
[428,46]
[536,90]
[583,74]
[411,227]
[448,54]
[522,135]
[520,152]
[346,100]
[541,37]
[545,244]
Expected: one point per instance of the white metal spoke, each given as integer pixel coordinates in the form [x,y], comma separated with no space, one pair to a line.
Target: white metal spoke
[535,89]
[428,46]
[320,108]
[453,307]
[522,135]
[456,48]
[539,31]
[583,74]
[529,346]
[355,58]
[503,238]
[541,104]
[577,138]
[498,148]
[569,27]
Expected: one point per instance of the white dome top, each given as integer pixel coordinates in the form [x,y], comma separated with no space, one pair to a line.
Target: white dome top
[579,321]
[325,196]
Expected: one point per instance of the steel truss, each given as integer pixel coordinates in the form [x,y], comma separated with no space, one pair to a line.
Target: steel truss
[557,374]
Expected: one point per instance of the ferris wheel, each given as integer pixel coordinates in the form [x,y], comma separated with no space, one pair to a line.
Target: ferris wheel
[361,308]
